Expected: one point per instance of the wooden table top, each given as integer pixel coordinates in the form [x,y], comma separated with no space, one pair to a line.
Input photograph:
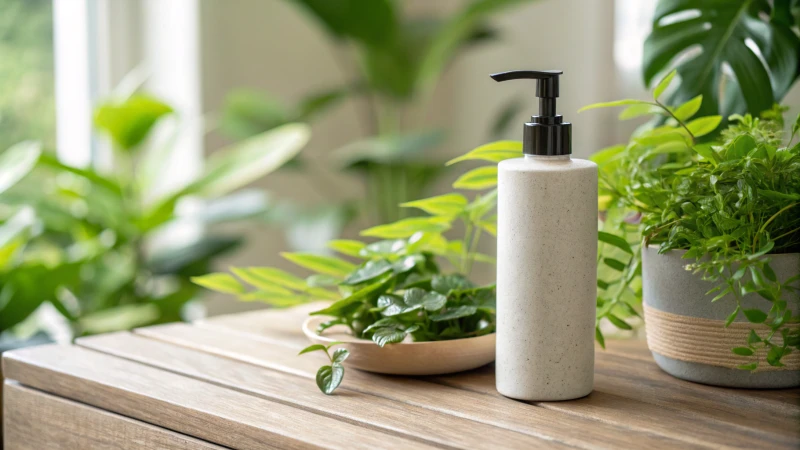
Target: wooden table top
[236,381]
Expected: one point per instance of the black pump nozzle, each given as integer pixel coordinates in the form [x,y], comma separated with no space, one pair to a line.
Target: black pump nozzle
[545,134]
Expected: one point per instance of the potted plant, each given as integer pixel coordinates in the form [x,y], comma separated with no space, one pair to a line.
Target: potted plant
[719,217]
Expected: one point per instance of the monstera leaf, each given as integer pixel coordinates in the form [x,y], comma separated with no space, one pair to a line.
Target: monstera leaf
[702,38]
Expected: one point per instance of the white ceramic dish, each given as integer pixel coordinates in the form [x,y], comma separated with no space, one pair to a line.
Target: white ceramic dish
[406,358]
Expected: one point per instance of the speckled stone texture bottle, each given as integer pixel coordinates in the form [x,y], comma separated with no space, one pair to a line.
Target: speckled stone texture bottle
[546,259]
[546,277]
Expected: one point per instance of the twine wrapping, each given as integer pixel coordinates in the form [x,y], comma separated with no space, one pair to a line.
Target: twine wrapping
[708,341]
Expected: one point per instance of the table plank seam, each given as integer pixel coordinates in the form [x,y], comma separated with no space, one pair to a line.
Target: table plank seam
[273,399]
[749,430]
[54,380]
[455,413]
[753,432]
[190,439]
[302,375]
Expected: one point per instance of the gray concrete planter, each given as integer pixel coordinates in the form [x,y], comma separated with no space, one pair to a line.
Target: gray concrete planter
[684,327]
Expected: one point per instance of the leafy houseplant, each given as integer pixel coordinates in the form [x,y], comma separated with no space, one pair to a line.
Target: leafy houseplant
[731,203]
[395,62]
[397,289]
[87,242]
[756,39]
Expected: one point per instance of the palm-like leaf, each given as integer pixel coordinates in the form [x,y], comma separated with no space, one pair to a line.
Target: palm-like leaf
[762,53]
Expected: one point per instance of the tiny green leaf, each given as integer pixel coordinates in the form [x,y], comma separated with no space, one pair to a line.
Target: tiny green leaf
[751,366]
[755,315]
[430,301]
[320,280]
[742,351]
[634,111]
[441,205]
[342,305]
[598,336]
[477,179]
[383,336]
[766,248]
[774,356]
[663,84]
[704,125]
[329,378]
[455,313]
[619,323]
[320,264]
[616,241]
[492,152]
[753,338]
[392,305]
[732,316]
[368,271]
[614,264]
[443,284]
[769,273]
[707,152]
[685,111]
[613,104]
[252,277]
[220,282]
[339,355]
[312,348]
[347,247]
[407,227]
[277,276]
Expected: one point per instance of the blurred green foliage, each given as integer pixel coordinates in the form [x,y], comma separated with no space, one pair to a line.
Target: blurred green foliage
[102,248]
[742,56]
[27,104]
[396,61]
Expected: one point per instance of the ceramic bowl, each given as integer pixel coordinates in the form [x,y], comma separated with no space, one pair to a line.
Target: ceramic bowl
[406,358]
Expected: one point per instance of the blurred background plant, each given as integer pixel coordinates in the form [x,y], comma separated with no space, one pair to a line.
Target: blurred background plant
[741,56]
[27,107]
[394,63]
[100,248]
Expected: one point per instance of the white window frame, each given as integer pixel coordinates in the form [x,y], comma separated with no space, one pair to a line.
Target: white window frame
[97,42]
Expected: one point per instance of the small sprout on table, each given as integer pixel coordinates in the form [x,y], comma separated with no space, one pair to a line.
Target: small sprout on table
[329,377]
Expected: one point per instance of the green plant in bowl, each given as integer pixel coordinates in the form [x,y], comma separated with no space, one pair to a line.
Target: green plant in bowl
[396,288]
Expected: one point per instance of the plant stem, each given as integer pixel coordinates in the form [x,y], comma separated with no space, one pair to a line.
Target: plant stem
[680,122]
[465,247]
[763,227]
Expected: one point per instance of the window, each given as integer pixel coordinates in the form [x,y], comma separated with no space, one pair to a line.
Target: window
[27,100]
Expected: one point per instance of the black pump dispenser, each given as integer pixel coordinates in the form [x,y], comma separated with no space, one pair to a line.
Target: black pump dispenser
[546,134]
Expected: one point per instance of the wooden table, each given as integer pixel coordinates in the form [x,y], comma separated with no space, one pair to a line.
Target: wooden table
[235,381]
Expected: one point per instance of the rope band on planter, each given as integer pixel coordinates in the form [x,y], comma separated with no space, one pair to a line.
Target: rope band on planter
[708,341]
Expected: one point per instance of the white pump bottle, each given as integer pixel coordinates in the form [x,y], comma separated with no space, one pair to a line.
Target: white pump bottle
[546,259]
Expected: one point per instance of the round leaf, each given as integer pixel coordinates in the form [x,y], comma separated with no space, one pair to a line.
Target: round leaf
[330,377]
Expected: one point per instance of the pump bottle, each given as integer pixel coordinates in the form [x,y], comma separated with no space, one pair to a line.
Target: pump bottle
[546,258]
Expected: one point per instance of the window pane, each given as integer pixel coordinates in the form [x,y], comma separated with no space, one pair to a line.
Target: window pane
[27,106]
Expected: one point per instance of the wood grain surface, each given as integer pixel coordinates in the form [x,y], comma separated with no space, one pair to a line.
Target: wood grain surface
[67,425]
[182,404]
[237,381]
